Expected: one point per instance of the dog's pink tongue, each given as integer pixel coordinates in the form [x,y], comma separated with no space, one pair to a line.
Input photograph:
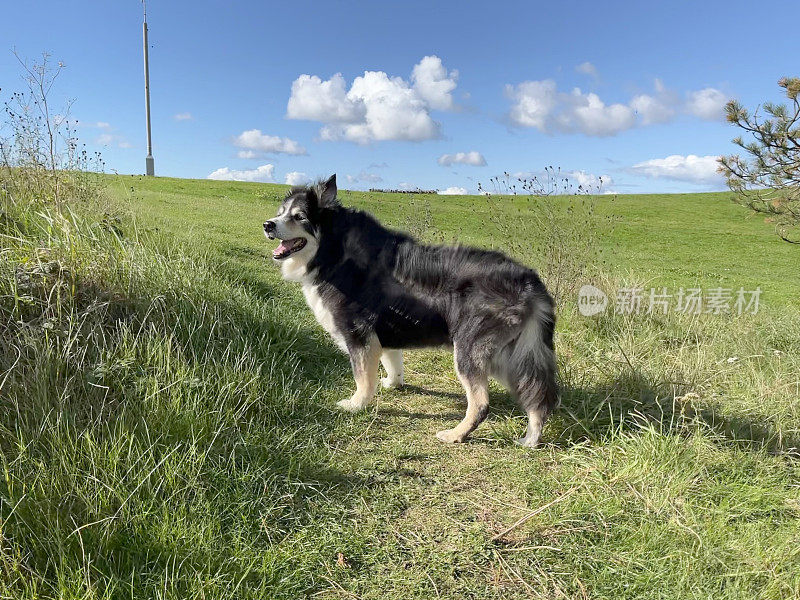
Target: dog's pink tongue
[286,246]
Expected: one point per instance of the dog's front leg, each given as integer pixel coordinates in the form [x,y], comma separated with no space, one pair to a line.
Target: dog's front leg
[392,361]
[364,358]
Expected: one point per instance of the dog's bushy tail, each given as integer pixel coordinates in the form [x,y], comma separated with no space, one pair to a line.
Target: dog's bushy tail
[531,360]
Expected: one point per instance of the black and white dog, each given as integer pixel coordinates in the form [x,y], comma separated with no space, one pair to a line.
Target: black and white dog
[377,291]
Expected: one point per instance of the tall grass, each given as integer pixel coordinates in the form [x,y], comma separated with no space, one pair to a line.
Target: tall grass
[141,389]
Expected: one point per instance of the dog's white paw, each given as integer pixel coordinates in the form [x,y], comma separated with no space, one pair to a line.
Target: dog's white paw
[450,436]
[351,405]
[527,442]
[391,382]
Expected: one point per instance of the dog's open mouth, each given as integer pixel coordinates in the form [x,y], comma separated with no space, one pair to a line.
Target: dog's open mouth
[288,247]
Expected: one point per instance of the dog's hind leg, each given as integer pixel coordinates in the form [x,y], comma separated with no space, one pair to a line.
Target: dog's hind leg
[538,397]
[476,383]
[531,371]
[364,359]
[392,361]
[536,419]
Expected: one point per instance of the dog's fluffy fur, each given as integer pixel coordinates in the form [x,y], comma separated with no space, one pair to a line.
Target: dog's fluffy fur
[378,291]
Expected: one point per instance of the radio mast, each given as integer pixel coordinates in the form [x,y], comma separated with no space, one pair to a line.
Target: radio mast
[149,163]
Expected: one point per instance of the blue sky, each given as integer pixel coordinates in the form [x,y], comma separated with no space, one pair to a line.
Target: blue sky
[262,91]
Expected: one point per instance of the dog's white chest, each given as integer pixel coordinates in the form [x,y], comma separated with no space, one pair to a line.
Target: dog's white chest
[323,315]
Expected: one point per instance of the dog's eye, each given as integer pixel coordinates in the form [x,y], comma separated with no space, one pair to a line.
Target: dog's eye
[299,217]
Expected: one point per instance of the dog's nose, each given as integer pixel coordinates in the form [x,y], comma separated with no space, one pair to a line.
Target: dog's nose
[269,227]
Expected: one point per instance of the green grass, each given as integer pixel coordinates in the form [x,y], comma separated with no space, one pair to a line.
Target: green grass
[167,421]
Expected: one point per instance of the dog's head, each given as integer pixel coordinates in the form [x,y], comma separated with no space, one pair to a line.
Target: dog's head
[297,223]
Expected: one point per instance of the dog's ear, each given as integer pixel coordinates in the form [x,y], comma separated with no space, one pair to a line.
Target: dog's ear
[327,196]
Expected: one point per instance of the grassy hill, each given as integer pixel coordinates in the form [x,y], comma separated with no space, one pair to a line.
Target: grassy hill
[666,239]
[168,430]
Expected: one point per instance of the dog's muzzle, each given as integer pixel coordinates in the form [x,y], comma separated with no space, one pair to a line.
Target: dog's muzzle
[269,229]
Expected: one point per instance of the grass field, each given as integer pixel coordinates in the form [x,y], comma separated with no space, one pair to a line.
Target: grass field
[168,429]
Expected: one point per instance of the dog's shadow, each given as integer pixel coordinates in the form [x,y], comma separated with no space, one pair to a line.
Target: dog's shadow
[407,389]
[390,409]
[627,403]
[501,404]
[632,401]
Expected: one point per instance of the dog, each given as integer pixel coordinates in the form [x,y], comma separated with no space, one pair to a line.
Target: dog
[378,291]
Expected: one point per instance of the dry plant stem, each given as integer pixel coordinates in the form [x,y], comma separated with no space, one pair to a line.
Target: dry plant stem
[533,513]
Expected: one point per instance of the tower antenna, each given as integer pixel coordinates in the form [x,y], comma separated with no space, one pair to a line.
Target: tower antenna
[149,163]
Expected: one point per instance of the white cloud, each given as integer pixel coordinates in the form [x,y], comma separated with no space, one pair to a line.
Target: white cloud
[111,139]
[327,101]
[533,103]
[297,178]
[263,173]
[255,141]
[708,103]
[433,83]
[376,107]
[590,182]
[651,110]
[364,177]
[247,154]
[473,158]
[393,111]
[691,168]
[659,108]
[84,124]
[589,114]
[108,137]
[541,105]
[184,116]
[453,191]
[587,68]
